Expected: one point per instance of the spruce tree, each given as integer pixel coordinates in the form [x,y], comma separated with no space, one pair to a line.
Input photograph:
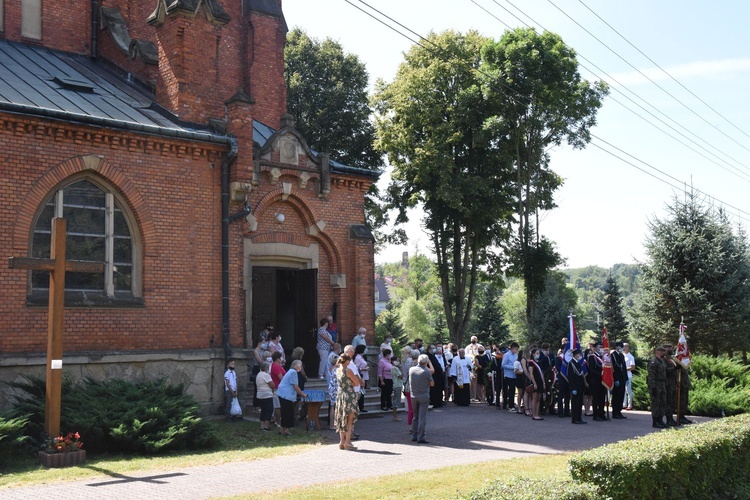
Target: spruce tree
[617,325]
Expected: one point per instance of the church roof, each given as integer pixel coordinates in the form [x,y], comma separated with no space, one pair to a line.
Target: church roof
[43,82]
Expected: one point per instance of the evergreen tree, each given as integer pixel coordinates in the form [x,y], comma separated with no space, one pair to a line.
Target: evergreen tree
[699,269]
[617,325]
[389,322]
[488,323]
[549,320]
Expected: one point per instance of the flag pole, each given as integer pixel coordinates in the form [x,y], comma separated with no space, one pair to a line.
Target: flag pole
[679,371]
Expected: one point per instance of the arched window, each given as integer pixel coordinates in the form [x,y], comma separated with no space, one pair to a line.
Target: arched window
[98,229]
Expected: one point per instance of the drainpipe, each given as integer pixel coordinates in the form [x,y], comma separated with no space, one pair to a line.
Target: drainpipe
[228,159]
[94,28]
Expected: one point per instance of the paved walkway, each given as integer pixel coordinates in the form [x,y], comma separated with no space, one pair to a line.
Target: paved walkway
[482,434]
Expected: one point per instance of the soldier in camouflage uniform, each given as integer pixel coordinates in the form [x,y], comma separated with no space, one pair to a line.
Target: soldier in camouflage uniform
[685,387]
[657,387]
[671,367]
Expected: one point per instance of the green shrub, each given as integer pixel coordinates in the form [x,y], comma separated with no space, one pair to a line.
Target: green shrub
[710,460]
[12,438]
[719,384]
[121,416]
[517,488]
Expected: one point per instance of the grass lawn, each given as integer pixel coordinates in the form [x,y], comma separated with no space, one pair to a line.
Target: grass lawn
[448,482]
[240,441]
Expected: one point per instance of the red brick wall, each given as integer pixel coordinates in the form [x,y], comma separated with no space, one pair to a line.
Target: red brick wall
[175,193]
[66,24]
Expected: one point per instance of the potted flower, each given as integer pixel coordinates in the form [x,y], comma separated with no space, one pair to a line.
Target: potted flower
[63,451]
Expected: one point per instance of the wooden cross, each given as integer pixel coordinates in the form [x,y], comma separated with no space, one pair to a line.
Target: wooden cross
[57,266]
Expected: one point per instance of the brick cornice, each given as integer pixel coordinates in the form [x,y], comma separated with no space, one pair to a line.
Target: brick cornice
[52,131]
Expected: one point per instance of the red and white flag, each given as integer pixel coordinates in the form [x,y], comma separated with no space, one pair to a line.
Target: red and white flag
[683,353]
[608,377]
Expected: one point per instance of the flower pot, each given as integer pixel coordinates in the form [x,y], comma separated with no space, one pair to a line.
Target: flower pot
[55,460]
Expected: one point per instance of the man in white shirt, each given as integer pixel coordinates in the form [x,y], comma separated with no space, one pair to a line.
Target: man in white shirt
[230,389]
[630,366]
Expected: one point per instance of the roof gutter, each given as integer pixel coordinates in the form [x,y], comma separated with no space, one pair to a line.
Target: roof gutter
[97,121]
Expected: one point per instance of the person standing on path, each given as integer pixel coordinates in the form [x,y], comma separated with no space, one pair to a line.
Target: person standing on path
[509,377]
[436,392]
[288,391]
[596,368]
[630,365]
[620,374]
[420,380]
[398,386]
[346,402]
[324,346]
[657,388]
[385,380]
[461,371]
[577,384]
[671,368]
[265,395]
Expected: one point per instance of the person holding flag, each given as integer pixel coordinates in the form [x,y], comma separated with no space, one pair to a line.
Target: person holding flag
[595,365]
[608,378]
[683,376]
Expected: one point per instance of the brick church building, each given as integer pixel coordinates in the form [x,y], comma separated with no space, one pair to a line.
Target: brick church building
[157,129]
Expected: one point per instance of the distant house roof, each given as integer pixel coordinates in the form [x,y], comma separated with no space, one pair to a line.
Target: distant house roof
[382,290]
[43,82]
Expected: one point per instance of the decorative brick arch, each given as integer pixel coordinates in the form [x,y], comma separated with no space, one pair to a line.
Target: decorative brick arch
[309,217]
[47,183]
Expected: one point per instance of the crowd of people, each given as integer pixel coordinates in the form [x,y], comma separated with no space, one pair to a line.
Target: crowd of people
[536,381]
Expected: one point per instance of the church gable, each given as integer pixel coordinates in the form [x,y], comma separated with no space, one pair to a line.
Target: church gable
[287,154]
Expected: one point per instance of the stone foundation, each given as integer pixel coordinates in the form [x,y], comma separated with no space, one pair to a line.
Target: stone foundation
[200,371]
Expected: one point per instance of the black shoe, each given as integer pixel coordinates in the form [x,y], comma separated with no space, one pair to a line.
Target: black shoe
[599,419]
[671,422]
[580,422]
[423,441]
[355,436]
[364,411]
[567,413]
[619,417]
[659,424]
[414,439]
[685,421]
[560,415]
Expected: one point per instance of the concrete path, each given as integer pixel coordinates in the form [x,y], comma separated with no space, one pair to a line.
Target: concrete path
[481,433]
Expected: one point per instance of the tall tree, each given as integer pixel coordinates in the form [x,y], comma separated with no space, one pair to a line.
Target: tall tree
[698,268]
[488,323]
[549,321]
[327,95]
[617,325]
[431,123]
[539,100]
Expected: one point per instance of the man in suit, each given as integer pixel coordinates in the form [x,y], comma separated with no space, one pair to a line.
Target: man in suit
[620,373]
[577,384]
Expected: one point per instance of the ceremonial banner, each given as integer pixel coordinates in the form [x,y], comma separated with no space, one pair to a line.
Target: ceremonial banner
[608,377]
[573,344]
[683,353]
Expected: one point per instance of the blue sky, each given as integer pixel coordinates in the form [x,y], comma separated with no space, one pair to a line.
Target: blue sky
[605,204]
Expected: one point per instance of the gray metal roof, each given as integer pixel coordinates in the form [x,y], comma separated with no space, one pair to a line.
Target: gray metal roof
[37,77]
[38,80]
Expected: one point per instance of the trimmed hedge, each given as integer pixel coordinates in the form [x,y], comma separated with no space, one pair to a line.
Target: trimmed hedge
[518,488]
[710,460]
